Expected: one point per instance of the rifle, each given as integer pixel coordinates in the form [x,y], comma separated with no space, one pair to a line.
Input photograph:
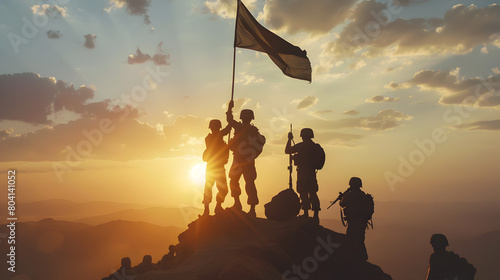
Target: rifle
[338,198]
[290,165]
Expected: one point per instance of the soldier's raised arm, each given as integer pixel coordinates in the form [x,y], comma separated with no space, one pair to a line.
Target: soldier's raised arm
[229,114]
[289,149]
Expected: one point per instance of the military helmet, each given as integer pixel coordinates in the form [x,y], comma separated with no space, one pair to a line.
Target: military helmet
[439,240]
[307,133]
[355,182]
[215,124]
[246,114]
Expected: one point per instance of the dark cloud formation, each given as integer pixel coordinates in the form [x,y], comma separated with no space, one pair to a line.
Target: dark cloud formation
[378,98]
[54,34]
[457,90]
[134,7]
[139,57]
[307,102]
[30,98]
[89,41]
[316,16]
[102,131]
[384,120]
[376,30]
[122,139]
[481,125]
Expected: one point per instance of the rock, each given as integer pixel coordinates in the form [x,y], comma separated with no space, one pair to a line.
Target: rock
[232,245]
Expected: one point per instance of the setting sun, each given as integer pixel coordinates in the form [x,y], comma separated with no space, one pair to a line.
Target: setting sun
[197,174]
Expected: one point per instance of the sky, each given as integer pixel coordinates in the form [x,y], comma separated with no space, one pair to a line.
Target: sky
[110,100]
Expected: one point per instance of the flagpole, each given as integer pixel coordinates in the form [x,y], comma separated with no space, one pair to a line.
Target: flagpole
[234,58]
[234,47]
[234,63]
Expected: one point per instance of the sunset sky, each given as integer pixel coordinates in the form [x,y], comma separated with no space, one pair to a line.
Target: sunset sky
[110,100]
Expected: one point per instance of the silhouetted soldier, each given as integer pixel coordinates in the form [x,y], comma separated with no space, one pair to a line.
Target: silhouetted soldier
[357,211]
[146,265]
[168,261]
[124,272]
[445,265]
[246,145]
[307,184]
[216,155]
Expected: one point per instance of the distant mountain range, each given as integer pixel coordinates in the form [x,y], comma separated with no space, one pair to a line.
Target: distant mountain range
[399,243]
[58,250]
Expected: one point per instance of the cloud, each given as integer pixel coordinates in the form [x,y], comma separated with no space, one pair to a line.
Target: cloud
[83,139]
[324,112]
[384,120]
[351,112]
[225,8]
[239,103]
[337,138]
[315,16]
[372,33]
[89,41]
[50,10]
[246,79]
[455,89]
[410,2]
[481,125]
[33,99]
[184,130]
[54,34]
[139,57]
[4,133]
[306,102]
[379,98]
[133,7]
[30,98]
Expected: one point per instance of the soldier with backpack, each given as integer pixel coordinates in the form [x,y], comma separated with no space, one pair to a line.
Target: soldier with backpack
[308,157]
[358,208]
[446,264]
[247,145]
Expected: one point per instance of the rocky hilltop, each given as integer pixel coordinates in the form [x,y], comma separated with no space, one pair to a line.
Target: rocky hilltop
[233,245]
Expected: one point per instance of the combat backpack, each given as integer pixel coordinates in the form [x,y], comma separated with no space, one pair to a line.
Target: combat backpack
[318,156]
[465,270]
[315,157]
[364,210]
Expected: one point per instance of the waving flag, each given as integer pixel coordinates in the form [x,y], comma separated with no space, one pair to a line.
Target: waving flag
[251,35]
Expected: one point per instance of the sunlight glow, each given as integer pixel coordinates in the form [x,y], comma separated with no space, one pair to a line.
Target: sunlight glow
[197,174]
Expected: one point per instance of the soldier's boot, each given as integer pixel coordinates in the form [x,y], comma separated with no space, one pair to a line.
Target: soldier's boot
[207,210]
[237,204]
[316,216]
[252,212]
[306,214]
[218,208]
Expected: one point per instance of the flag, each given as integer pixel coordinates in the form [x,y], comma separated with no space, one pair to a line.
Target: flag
[251,35]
